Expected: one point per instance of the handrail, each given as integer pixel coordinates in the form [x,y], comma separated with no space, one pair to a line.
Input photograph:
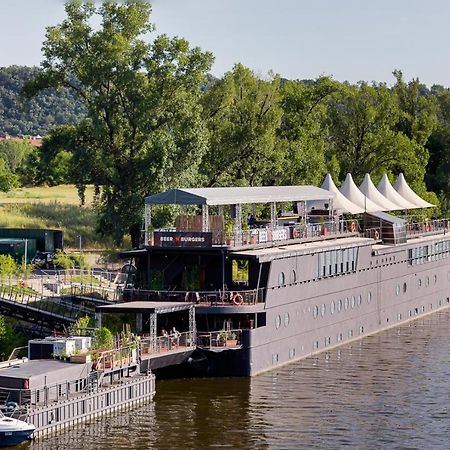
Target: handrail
[221,338]
[211,297]
[14,354]
[170,342]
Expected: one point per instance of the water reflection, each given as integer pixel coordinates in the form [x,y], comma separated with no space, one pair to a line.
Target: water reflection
[389,390]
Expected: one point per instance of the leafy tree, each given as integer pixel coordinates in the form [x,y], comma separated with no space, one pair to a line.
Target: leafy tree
[304,132]
[363,134]
[47,109]
[143,131]
[15,153]
[8,180]
[8,267]
[243,114]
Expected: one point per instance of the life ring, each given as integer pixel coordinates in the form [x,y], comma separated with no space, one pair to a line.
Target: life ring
[295,233]
[353,226]
[238,299]
[376,235]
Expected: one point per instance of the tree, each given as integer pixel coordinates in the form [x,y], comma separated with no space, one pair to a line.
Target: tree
[8,180]
[15,153]
[143,132]
[8,267]
[243,114]
[304,132]
[363,134]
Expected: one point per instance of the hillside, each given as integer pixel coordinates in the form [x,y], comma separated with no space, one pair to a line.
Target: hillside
[36,117]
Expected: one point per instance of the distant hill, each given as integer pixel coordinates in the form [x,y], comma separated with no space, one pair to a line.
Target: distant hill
[18,117]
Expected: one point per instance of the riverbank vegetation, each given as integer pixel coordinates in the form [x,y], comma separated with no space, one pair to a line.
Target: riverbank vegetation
[147,116]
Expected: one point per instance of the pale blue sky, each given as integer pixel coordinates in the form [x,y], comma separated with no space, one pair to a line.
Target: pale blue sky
[348,39]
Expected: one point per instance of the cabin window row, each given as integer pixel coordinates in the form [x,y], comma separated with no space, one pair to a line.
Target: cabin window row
[341,304]
[425,253]
[335,262]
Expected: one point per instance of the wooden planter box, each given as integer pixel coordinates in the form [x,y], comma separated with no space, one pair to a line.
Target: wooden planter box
[81,359]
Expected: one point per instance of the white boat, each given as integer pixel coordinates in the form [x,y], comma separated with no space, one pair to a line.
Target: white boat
[14,431]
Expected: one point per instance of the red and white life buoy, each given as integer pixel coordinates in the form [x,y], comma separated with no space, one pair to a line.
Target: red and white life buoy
[353,226]
[295,233]
[376,235]
[238,299]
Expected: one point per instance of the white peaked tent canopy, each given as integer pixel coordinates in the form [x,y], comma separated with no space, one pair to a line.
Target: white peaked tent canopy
[340,202]
[371,192]
[352,193]
[385,187]
[401,186]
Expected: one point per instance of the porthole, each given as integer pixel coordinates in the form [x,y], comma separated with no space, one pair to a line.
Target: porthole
[353,302]
[422,308]
[420,283]
[332,307]
[399,316]
[427,281]
[434,278]
[323,309]
[359,300]
[293,277]
[350,333]
[405,287]
[346,303]
[361,330]
[277,322]
[281,279]
[315,311]
[339,307]
[369,297]
[316,345]
[286,319]
[397,289]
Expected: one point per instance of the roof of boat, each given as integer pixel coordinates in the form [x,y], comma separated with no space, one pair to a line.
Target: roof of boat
[239,195]
[35,367]
[283,251]
[147,306]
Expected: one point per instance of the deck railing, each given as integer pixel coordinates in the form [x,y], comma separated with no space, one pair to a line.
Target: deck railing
[162,344]
[222,338]
[428,226]
[211,298]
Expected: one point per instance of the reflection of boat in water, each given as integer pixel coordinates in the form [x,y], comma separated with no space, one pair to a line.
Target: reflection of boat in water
[14,431]
[314,269]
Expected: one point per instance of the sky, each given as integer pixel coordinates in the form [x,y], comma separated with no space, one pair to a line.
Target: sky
[349,40]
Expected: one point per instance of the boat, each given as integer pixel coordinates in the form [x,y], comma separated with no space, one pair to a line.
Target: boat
[14,431]
[315,268]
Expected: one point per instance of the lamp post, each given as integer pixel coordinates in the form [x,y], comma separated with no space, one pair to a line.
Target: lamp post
[79,242]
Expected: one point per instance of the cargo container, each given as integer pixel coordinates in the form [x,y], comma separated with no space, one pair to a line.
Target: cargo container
[46,240]
[18,248]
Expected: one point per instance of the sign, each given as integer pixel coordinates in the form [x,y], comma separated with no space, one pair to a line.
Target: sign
[182,239]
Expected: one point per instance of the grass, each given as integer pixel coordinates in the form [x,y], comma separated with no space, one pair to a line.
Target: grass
[66,194]
[55,207]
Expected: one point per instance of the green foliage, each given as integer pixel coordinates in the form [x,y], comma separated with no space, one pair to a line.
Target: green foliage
[63,260]
[81,325]
[36,117]
[143,131]
[8,267]
[9,337]
[243,114]
[8,180]
[103,339]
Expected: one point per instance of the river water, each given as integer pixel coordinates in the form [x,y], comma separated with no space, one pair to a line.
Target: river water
[390,390]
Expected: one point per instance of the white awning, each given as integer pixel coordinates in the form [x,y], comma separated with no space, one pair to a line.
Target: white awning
[340,202]
[352,193]
[239,195]
[401,186]
[371,192]
[385,187]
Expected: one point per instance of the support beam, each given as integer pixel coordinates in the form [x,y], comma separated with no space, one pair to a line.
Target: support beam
[238,225]
[205,218]
[139,323]
[153,330]
[147,223]
[273,215]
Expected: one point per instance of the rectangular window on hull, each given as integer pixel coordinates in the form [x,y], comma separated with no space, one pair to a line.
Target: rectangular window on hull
[336,262]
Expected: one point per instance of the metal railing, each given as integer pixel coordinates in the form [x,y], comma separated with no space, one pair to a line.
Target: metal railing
[162,344]
[222,338]
[211,298]
[428,226]
[36,302]
[120,357]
